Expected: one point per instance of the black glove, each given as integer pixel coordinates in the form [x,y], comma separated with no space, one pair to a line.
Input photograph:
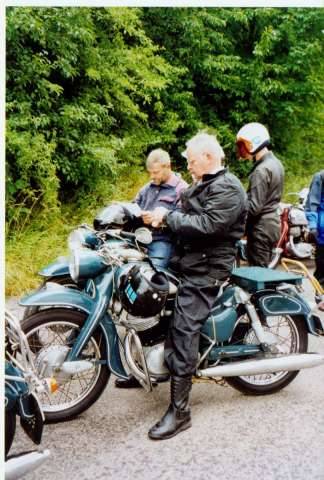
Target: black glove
[312,236]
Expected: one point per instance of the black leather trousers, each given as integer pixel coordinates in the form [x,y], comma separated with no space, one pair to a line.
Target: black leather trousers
[195,299]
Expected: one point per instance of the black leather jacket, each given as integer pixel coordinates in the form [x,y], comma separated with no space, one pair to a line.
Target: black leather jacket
[211,220]
[265,186]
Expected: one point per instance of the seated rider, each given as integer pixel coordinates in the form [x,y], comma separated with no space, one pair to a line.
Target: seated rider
[163,190]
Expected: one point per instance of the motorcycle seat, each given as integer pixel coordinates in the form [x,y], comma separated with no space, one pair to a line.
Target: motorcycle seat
[258,278]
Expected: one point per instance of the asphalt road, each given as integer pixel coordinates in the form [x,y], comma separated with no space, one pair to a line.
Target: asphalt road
[234,437]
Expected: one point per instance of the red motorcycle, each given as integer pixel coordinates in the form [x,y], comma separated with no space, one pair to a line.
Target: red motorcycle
[294,229]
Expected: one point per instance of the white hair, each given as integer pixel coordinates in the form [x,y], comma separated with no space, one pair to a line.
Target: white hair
[158,156]
[203,142]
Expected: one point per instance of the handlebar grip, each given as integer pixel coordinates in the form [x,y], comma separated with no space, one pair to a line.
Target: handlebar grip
[127,235]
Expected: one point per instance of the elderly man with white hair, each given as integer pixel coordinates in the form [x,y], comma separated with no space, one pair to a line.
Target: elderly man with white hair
[208,225]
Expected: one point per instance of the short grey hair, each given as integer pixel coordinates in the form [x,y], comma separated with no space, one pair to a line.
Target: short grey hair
[158,156]
[204,142]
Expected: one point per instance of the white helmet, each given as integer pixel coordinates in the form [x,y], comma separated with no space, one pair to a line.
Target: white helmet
[254,137]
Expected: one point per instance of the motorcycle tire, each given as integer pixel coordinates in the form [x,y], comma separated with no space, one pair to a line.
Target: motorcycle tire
[51,325]
[10,429]
[248,386]
[65,281]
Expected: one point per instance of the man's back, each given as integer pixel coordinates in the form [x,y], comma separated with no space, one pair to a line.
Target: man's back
[266,182]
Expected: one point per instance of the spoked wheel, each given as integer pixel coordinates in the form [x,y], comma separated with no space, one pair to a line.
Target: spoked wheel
[292,338]
[10,429]
[50,334]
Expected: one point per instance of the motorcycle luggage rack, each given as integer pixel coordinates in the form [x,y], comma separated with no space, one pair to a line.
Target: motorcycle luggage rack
[253,279]
[295,266]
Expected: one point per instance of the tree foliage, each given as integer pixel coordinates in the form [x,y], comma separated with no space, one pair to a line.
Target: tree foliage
[82,88]
[91,90]
[243,65]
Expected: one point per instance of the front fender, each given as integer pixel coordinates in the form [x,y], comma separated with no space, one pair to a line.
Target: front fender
[53,295]
[58,268]
[273,302]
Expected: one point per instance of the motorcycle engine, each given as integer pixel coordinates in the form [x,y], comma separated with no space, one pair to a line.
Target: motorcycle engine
[155,361]
[297,217]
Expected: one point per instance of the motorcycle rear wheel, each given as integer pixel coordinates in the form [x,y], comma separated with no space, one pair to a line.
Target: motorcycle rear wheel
[54,329]
[273,382]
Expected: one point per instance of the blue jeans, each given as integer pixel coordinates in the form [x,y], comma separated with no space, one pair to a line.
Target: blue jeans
[160,253]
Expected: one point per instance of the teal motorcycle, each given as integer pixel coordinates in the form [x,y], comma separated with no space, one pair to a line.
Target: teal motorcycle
[22,386]
[117,317]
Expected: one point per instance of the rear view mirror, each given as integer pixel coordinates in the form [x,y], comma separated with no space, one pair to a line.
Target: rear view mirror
[143,235]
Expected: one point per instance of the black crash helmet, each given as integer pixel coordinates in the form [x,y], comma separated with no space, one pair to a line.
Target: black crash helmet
[111,216]
[143,291]
[122,214]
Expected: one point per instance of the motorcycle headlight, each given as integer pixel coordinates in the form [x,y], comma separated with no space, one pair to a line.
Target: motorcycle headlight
[74,265]
[86,263]
[75,239]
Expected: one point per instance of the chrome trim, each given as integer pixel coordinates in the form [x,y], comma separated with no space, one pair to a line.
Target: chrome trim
[277,363]
[142,377]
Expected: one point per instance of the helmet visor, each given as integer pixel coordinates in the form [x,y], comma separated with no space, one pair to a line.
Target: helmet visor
[243,147]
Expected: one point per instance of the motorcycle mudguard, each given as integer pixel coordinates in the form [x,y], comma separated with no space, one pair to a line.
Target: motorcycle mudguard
[31,418]
[58,268]
[58,295]
[272,302]
[13,389]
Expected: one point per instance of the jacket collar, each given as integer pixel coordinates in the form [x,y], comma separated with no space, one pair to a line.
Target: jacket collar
[210,176]
[257,162]
[172,182]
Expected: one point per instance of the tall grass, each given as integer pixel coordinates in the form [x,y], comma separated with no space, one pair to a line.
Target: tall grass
[44,239]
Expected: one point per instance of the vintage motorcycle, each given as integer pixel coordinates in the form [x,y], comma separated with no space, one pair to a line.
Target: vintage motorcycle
[22,387]
[293,234]
[255,337]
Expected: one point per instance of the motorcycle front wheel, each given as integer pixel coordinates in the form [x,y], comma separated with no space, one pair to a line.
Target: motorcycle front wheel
[52,331]
[292,338]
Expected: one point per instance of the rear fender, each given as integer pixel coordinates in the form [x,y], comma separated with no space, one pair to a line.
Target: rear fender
[53,295]
[274,302]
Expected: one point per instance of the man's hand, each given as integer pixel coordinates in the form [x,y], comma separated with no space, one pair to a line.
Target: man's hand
[147,217]
[158,215]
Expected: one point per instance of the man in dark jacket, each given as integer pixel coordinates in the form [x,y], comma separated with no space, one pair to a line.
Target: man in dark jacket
[211,220]
[264,193]
[314,210]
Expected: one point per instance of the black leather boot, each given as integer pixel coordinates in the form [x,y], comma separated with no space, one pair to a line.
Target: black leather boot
[177,418]
[130,382]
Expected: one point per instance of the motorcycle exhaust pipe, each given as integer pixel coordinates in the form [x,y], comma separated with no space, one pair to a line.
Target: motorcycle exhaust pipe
[18,466]
[278,363]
